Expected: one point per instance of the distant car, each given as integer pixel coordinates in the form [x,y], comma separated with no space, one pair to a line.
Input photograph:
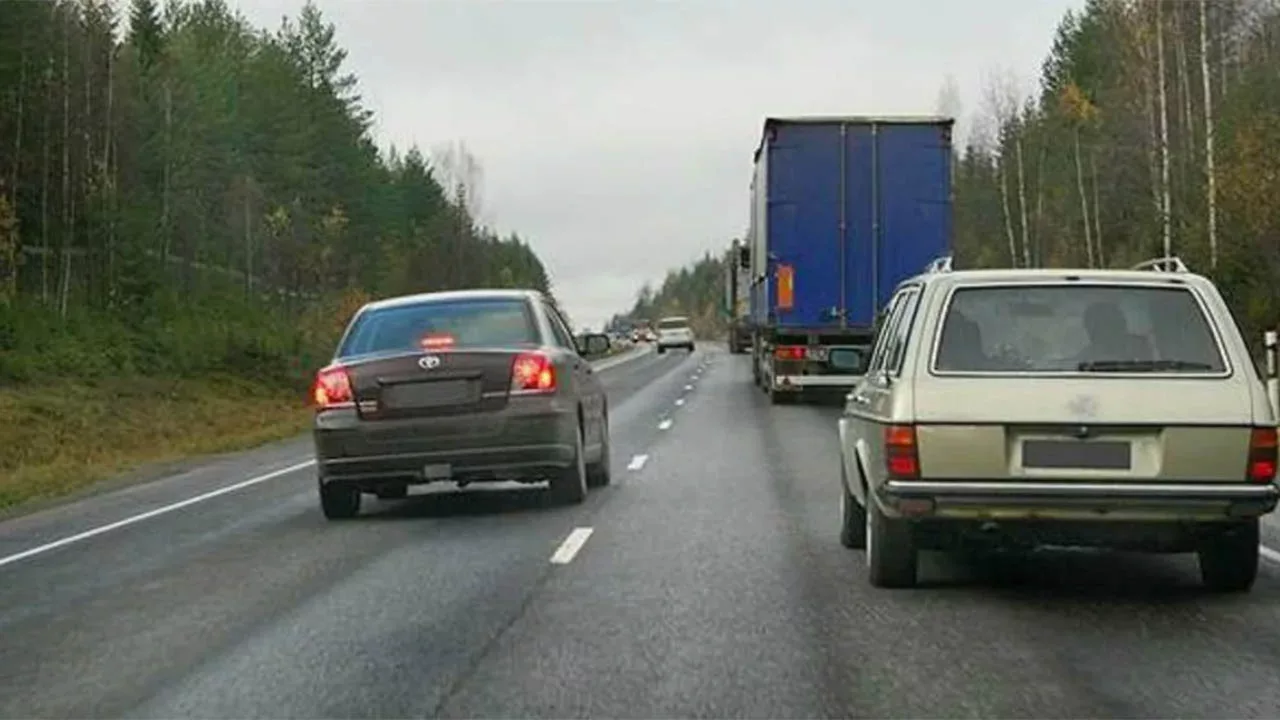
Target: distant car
[674,332]
[465,386]
[1066,407]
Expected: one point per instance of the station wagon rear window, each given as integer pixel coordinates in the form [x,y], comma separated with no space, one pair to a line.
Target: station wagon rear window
[1077,328]
[437,324]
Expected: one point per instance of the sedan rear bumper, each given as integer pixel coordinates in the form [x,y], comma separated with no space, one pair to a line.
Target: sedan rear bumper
[968,499]
[527,444]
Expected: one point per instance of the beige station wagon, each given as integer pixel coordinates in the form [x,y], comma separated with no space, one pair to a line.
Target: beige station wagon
[1026,408]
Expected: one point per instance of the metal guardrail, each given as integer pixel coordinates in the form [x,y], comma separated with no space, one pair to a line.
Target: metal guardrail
[1171,263]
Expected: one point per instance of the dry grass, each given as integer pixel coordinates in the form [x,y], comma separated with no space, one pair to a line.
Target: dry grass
[60,438]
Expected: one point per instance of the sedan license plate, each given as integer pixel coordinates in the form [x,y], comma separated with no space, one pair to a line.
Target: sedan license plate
[437,471]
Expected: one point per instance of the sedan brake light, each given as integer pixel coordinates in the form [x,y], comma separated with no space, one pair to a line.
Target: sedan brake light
[1262,454]
[332,388]
[533,372]
[902,459]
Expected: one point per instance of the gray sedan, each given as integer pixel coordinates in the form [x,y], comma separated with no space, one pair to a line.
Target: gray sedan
[464,386]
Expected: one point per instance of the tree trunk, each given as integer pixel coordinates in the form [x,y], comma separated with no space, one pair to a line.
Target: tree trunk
[1008,219]
[1084,201]
[67,230]
[1097,212]
[45,249]
[1022,203]
[1166,226]
[1210,185]
[17,136]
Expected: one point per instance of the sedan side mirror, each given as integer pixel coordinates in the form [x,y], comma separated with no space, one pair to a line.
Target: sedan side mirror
[593,344]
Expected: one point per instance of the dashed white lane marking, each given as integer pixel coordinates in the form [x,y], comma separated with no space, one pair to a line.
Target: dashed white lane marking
[637,462]
[679,402]
[571,545]
[1269,554]
[687,388]
[665,424]
[70,539]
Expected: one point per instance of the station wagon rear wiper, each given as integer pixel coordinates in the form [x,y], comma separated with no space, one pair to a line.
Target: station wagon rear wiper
[1141,365]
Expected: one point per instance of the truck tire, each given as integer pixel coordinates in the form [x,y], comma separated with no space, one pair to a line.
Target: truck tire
[853,517]
[1229,560]
[892,559]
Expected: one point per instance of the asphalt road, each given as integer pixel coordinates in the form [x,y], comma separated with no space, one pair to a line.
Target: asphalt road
[707,581]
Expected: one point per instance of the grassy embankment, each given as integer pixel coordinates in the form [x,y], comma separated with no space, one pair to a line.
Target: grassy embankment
[92,398]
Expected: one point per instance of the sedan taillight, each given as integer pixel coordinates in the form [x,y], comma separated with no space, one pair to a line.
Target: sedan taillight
[332,388]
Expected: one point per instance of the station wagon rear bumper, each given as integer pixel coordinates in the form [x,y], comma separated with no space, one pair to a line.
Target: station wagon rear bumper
[971,499]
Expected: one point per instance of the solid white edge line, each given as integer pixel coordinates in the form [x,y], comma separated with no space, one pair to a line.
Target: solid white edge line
[71,539]
[665,424]
[1269,554]
[571,545]
[637,462]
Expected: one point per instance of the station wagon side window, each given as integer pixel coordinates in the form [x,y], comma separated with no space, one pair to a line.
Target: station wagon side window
[877,362]
[895,350]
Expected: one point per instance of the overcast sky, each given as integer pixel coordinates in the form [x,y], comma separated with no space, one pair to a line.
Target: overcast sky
[616,136]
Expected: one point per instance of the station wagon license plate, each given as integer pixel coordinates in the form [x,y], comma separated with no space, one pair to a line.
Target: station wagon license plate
[1076,455]
[437,471]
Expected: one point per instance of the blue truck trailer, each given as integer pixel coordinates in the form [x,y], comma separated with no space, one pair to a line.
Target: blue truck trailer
[843,209]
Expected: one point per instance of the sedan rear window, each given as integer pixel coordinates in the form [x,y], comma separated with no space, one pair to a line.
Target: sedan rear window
[1077,328]
[673,324]
[440,324]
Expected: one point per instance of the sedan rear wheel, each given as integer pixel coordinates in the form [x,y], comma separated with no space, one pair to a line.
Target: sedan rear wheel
[339,501]
[1229,561]
[570,484]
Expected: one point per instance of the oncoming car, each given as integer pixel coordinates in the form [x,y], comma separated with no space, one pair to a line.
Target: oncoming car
[674,332]
[1025,408]
[465,386]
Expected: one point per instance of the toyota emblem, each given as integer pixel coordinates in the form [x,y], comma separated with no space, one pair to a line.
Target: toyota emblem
[429,362]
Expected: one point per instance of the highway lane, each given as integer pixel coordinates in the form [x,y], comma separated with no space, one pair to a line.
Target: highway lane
[106,625]
[711,584]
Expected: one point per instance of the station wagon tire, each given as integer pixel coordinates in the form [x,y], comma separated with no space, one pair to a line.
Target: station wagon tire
[600,472]
[570,484]
[891,550]
[1229,561]
[853,517]
[339,501]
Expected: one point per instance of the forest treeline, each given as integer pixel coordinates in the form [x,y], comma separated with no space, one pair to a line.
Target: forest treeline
[695,291]
[181,192]
[1154,128]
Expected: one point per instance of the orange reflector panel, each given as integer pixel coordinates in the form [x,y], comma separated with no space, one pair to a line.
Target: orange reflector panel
[786,287]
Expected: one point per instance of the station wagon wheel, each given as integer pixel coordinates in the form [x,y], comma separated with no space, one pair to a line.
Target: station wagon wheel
[853,517]
[1229,560]
[570,484]
[891,550]
[339,501]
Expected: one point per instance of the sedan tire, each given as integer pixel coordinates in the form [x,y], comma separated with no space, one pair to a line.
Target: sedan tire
[1229,561]
[600,472]
[339,501]
[570,484]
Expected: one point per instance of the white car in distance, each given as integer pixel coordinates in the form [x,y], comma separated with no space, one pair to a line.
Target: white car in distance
[674,332]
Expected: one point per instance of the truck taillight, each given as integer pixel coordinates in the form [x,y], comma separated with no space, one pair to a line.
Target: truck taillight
[902,458]
[332,388]
[532,372]
[1262,455]
[789,352]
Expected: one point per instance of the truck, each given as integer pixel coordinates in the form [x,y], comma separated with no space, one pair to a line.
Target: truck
[843,209]
[737,285]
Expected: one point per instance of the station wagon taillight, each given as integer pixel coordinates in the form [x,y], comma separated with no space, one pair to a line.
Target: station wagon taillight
[332,388]
[1262,455]
[532,372]
[901,458]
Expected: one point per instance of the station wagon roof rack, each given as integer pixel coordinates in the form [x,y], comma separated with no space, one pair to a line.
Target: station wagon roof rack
[1172,263]
[938,265]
